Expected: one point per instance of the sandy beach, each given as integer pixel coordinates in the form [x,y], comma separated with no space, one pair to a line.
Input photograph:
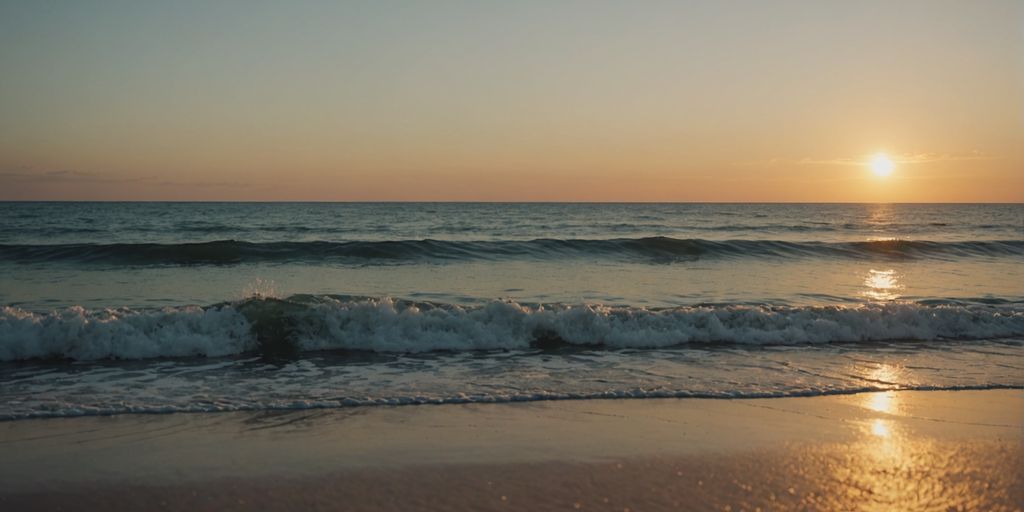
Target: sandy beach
[911,450]
[369,256]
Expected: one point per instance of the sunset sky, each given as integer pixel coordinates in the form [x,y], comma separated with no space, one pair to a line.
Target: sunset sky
[512,101]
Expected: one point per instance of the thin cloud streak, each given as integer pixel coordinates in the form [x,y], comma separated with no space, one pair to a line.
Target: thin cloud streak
[904,158]
[899,158]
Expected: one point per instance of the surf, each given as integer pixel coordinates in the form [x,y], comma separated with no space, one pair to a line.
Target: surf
[302,323]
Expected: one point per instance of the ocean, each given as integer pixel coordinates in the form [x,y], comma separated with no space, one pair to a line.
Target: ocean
[115,308]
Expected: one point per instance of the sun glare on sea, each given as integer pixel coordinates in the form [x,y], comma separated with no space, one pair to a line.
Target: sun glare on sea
[882,165]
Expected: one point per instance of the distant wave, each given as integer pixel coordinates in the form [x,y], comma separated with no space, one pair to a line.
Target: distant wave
[640,224]
[287,327]
[650,249]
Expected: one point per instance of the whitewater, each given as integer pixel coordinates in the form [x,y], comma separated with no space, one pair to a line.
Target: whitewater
[110,308]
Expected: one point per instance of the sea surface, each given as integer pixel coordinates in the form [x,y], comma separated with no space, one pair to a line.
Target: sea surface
[111,308]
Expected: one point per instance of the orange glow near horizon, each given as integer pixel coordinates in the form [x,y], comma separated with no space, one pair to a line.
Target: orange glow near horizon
[354,102]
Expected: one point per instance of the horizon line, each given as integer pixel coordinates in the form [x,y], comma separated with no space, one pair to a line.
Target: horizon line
[400,201]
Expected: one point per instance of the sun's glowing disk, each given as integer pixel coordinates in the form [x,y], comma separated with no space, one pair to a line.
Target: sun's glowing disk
[882,165]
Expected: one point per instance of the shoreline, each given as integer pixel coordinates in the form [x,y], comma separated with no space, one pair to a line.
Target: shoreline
[353,403]
[902,448]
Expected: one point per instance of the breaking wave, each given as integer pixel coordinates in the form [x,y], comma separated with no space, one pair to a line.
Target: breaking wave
[288,327]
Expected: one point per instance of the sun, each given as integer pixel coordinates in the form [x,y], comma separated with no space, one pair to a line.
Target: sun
[882,165]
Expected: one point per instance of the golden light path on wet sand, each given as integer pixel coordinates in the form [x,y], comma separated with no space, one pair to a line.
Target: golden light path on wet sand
[891,450]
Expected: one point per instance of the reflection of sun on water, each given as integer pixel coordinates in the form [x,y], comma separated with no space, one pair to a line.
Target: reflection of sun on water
[893,466]
[885,445]
[880,428]
[882,285]
[882,402]
[880,215]
[884,373]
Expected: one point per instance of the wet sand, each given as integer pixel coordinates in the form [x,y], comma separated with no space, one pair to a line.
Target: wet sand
[912,450]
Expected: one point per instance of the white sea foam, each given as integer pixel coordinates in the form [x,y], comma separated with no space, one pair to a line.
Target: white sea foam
[77,333]
[395,326]
[389,325]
